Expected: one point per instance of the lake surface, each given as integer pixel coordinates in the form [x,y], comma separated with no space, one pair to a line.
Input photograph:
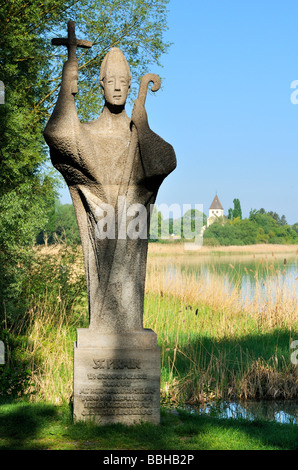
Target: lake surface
[278,411]
[273,274]
[280,271]
[245,272]
[243,267]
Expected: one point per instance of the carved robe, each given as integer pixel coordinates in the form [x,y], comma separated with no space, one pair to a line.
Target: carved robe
[93,159]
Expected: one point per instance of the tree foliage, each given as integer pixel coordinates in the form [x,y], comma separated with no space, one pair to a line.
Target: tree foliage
[236,211]
[260,227]
[62,226]
[186,227]
[30,68]
[136,26]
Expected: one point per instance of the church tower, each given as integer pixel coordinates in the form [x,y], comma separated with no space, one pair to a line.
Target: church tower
[215,211]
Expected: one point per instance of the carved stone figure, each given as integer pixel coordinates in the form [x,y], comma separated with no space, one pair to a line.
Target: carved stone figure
[115,161]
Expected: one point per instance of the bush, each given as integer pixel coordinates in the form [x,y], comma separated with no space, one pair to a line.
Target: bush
[39,278]
[39,327]
[211,242]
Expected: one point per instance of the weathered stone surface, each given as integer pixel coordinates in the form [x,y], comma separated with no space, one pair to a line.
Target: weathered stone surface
[99,166]
[87,338]
[119,382]
[106,161]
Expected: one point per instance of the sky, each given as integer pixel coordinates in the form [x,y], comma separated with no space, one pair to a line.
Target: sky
[227,105]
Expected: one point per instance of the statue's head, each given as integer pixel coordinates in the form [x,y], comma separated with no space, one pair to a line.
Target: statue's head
[115,77]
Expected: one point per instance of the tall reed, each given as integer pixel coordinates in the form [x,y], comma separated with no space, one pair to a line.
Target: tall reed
[215,343]
[55,299]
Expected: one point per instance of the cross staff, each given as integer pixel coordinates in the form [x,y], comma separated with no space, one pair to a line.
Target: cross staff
[71,41]
[133,145]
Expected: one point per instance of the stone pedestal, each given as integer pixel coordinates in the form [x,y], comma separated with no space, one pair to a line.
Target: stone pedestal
[116,377]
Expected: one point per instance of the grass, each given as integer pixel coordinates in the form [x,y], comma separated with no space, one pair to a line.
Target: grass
[207,357]
[214,346]
[215,343]
[40,426]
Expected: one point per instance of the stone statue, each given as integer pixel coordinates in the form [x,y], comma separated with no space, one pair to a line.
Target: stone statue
[111,159]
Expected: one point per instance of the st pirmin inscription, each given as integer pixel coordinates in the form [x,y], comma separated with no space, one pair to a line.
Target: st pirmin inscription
[117,394]
[116,364]
[103,161]
[123,403]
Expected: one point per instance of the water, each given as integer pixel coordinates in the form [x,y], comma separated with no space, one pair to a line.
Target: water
[273,272]
[270,273]
[285,412]
[244,267]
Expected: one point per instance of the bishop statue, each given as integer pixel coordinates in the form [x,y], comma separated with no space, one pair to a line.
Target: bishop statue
[110,159]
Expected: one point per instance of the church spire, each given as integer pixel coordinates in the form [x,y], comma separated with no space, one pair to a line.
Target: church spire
[216,204]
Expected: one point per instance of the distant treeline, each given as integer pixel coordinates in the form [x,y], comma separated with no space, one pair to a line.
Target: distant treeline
[259,227]
[62,226]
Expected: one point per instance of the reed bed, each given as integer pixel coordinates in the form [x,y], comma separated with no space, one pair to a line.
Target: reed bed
[215,342]
[49,345]
[272,303]
[179,249]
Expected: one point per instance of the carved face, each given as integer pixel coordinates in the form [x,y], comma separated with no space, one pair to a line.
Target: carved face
[116,84]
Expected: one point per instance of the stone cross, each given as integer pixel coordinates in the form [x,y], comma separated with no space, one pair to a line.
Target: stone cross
[71,41]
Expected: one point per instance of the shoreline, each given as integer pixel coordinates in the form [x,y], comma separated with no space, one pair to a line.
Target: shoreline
[178,248]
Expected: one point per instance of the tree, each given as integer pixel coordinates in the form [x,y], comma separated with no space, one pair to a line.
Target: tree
[30,68]
[61,226]
[192,223]
[280,220]
[136,26]
[283,220]
[260,227]
[155,225]
[236,232]
[236,211]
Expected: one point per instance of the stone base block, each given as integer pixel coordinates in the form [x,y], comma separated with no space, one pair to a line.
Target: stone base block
[117,377]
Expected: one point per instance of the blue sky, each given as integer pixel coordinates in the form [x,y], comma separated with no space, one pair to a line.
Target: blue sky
[226,104]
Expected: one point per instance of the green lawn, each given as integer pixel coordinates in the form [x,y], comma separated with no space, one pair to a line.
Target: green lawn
[37,426]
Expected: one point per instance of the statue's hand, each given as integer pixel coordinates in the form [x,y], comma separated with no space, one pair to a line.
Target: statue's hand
[70,76]
[139,116]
